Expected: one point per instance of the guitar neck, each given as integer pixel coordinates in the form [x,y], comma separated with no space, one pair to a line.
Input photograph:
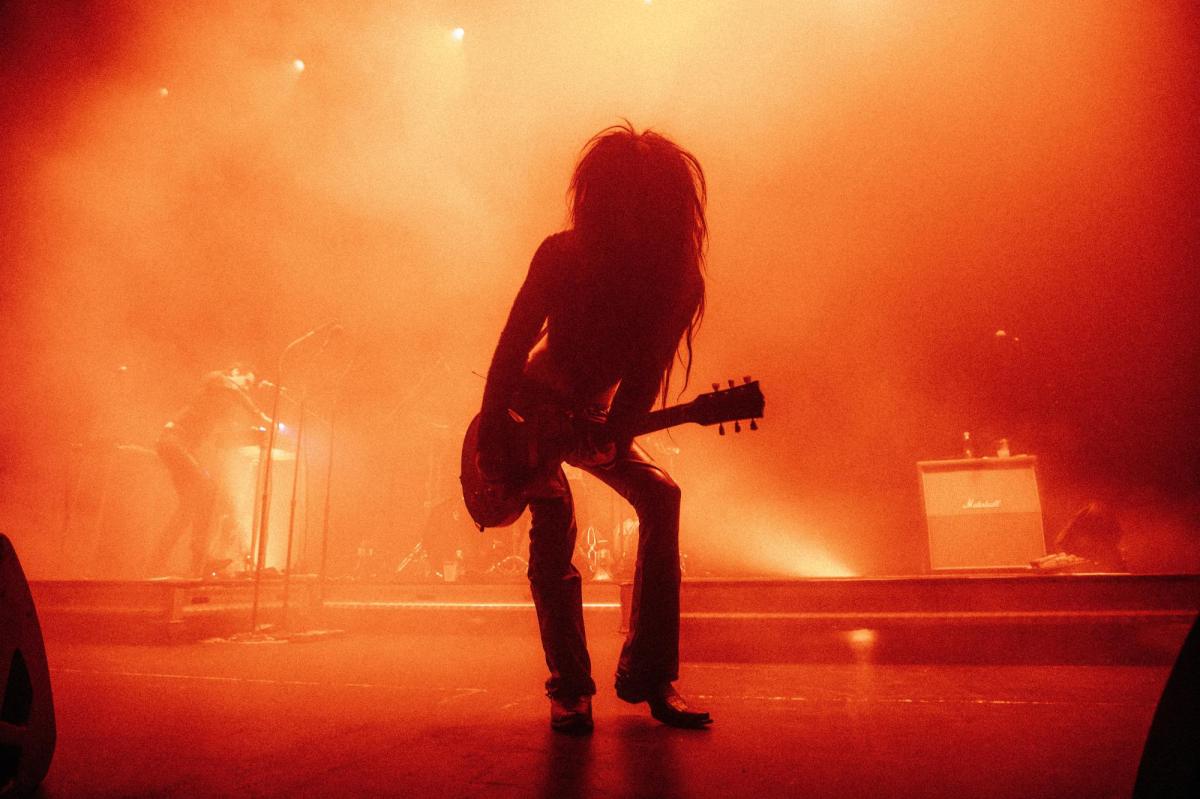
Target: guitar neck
[721,405]
[659,420]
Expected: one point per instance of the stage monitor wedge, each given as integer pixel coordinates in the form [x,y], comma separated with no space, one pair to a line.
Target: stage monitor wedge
[27,730]
[982,513]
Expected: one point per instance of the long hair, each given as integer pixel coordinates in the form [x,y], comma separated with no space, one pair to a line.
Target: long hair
[637,201]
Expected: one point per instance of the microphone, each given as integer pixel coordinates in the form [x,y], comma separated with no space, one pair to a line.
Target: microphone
[334,330]
[328,327]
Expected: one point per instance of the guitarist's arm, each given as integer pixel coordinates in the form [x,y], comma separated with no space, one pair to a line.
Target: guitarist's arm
[520,333]
[635,396]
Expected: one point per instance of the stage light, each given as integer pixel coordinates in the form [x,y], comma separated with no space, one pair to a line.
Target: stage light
[457,34]
[163,92]
[862,643]
[862,637]
[298,65]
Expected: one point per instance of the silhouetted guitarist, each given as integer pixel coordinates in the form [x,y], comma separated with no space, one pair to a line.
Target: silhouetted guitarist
[594,332]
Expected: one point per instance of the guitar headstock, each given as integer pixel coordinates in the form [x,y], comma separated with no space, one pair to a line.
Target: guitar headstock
[733,403]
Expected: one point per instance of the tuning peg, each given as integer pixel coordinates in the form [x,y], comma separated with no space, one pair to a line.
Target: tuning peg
[716,386]
[746,379]
[737,427]
[730,383]
[753,425]
[720,429]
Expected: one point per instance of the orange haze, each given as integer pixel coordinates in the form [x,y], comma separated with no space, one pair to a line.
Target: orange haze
[890,183]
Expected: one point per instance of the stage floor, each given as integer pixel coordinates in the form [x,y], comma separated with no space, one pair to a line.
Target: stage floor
[1067,619]
[453,714]
[980,686]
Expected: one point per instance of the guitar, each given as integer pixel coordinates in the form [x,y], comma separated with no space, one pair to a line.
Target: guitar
[541,439]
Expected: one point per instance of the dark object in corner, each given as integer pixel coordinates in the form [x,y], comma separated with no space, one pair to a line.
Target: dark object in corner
[1170,765]
[27,731]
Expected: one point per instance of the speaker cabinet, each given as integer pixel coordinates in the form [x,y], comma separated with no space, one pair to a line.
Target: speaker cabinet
[27,732]
[983,513]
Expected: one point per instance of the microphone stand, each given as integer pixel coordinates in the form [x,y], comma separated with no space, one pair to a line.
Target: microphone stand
[287,558]
[339,385]
[302,461]
[265,510]
[258,478]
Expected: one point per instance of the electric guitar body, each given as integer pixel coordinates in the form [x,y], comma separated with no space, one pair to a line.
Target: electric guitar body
[539,440]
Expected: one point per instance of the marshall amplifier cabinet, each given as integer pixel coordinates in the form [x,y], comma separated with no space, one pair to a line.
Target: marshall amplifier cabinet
[983,513]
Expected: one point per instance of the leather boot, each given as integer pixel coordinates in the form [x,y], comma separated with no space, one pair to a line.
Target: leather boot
[571,714]
[666,705]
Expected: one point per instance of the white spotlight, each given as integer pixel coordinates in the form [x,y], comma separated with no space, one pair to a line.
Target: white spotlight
[862,637]
[163,92]
[298,65]
[457,34]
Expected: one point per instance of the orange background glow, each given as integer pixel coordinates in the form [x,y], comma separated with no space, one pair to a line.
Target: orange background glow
[890,184]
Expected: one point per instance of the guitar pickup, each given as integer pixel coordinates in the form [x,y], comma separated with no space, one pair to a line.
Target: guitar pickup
[516,417]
